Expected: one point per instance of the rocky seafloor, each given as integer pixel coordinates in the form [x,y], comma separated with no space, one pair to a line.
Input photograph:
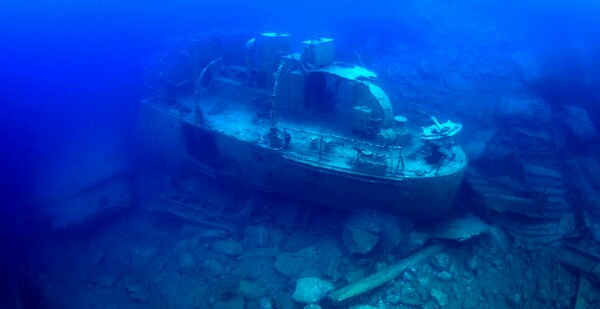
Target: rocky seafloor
[290,255]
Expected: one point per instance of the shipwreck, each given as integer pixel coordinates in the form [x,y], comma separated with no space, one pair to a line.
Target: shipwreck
[248,108]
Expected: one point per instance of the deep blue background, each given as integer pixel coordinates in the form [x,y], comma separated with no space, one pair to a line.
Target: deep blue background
[76,67]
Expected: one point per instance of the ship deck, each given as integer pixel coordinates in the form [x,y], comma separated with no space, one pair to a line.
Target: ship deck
[317,144]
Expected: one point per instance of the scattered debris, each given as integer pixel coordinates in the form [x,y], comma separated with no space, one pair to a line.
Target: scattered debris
[534,233]
[583,262]
[459,229]
[191,209]
[385,275]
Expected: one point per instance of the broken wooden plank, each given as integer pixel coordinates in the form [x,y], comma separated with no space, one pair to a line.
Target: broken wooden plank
[581,261]
[384,276]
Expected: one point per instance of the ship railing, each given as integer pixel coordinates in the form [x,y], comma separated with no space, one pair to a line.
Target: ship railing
[349,153]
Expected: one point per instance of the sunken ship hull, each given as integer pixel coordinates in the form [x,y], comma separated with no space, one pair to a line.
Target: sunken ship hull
[286,136]
[220,155]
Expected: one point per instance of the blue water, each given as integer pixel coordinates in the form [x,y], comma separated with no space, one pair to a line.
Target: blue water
[72,77]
